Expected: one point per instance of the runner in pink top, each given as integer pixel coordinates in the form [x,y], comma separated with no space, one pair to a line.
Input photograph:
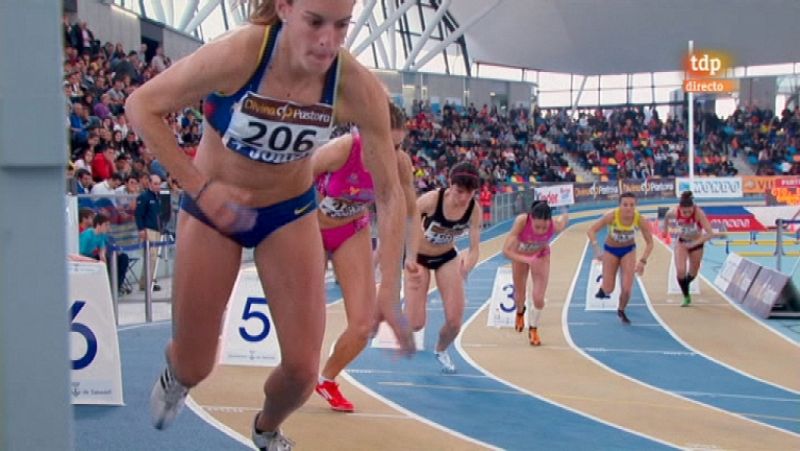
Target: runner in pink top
[528,247]
[536,245]
[346,193]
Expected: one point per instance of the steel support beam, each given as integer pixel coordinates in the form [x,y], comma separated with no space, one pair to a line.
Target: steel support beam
[386,24]
[426,34]
[452,37]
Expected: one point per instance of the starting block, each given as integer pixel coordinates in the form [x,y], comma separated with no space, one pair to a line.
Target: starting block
[594,283]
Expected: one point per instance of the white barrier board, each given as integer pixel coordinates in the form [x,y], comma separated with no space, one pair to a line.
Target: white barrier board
[249,337]
[725,275]
[96,376]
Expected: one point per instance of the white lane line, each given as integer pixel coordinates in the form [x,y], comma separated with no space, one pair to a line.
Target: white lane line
[213,422]
[239,409]
[691,348]
[465,356]
[739,307]
[568,337]
[403,373]
[414,415]
[738,396]
[457,388]
[352,380]
[640,351]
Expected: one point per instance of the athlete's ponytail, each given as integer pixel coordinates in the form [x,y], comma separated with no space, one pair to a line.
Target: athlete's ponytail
[262,12]
[397,116]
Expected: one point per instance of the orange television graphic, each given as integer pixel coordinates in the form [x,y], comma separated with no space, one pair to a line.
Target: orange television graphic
[705,72]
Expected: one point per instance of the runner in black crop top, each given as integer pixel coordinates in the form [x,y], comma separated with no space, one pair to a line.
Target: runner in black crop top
[438,254]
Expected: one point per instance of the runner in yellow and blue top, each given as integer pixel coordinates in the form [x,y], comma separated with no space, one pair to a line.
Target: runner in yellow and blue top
[619,249]
[273,89]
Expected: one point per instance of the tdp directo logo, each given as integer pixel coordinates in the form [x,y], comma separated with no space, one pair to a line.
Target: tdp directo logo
[705,72]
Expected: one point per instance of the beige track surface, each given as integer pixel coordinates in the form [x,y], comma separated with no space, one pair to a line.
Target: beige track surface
[554,371]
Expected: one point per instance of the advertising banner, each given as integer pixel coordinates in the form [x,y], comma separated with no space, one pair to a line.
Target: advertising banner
[705,187]
[556,195]
[744,276]
[651,188]
[727,272]
[597,191]
[765,291]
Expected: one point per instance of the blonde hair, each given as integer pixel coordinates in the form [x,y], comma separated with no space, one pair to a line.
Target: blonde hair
[397,116]
[263,12]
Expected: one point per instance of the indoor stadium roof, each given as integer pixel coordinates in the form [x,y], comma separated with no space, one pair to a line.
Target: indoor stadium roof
[594,37]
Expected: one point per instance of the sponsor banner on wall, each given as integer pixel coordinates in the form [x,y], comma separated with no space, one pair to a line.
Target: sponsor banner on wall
[744,276]
[556,195]
[762,184]
[736,223]
[590,192]
[710,186]
[765,291]
[650,188]
[785,192]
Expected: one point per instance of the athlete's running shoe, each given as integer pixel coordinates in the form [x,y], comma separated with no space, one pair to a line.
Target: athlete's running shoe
[166,399]
[330,391]
[687,300]
[533,335]
[601,294]
[444,360]
[623,317]
[270,441]
[519,322]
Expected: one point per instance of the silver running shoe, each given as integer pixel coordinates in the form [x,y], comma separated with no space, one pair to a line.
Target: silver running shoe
[444,360]
[166,399]
[271,441]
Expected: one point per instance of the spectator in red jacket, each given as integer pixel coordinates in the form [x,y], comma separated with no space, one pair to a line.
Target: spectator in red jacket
[486,203]
[103,163]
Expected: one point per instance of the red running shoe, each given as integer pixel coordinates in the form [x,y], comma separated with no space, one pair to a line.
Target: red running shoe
[330,391]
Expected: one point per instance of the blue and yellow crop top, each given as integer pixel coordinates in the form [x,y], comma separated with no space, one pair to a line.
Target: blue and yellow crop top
[623,233]
[270,130]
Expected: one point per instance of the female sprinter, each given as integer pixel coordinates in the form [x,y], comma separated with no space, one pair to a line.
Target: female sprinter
[273,89]
[446,214]
[346,189]
[694,230]
[528,247]
[620,249]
